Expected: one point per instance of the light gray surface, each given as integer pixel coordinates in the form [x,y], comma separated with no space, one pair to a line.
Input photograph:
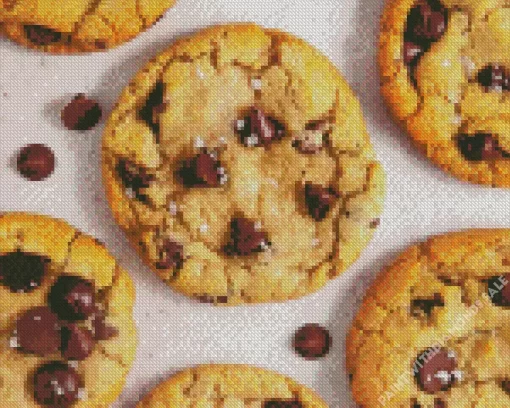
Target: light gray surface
[174,331]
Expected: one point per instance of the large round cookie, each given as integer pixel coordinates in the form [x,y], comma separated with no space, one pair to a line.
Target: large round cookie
[231,386]
[445,67]
[77,25]
[434,330]
[67,337]
[239,165]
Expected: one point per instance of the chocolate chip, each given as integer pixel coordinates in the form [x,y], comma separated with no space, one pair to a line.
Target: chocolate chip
[499,290]
[257,129]
[246,238]
[412,53]
[81,113]
[38,331]
[312,139]
[312,341]
[203,170]
[494,77]
[212,299]
[102,330]
[56,385]
[154,105]
[480,146]
[439,403]
[22,272]
[319,200]
[35,162]
[423,307]
[40,35]
[171,255]
[278,403]
[436,371]
[72,298]
[426,22]
[506,386]
[77,342]
[134,177]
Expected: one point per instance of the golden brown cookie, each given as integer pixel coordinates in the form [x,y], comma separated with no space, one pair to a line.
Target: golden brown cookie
[77,25]
[231,386]
[445,67]
[239,165]
[434,329]
[67,336]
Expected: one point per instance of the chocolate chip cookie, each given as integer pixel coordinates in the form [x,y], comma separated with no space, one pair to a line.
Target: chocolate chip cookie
[77,25]
[445,67]
[434,329]
[239,165]
[231,386]
[67,337]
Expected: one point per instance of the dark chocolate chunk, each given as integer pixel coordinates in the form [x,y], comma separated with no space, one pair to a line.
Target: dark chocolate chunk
[246,238]
[38,331]
[499,290]
[72,298]
[171,255]
[319,200]
[77,342]
[257,129]
[154,105]
[436,371]
[56,385]
[22,272]
[203,170]
[40,35]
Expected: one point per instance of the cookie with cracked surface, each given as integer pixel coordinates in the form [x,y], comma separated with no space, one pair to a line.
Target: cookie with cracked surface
[445,74]
[433,330]
[239,165]
[231,386]
[78,25]
[67,337]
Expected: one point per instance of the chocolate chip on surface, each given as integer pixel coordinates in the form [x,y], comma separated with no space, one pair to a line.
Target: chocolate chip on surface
[246,238]
[101,329]
[506,386]
[40,35]
[423,307]
[426,22]
[56,385]
[436,371]
[22,272]
[319,200]
[312,341]
[499,290]
[77,342]
[494,77]
[154,105]
[480,146]
[72,298]
[134,177]
[412,53]
[36,162]
[203,170]
[38,331]
[278,403]
[81,113]
[171,255]
[257,129]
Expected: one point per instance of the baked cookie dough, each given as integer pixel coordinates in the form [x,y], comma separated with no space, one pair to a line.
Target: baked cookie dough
[239,165]
[445,67]
[77,25]
[434,329]
[231,386]
[67,337]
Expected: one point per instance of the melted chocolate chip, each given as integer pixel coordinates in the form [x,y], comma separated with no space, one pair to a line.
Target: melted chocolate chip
[77,342]
[102,330]
[81,113]
[21,272]
[246,238]
[171,255]
[134,177]
[56,385]
[424,307]
[494,77]
[312,341]
[36,162]
[72,298]
[319,200]
[203,170]
[412,53]
[257,129]
[154,105]
[38,331]
[40,35]
[278,403]
[437,371]
[480,146]
[499,290]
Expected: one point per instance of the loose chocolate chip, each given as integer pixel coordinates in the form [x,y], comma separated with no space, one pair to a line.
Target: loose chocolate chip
[412,53]
[22,272]
[36,162]
[426,22]
[171,255]
[154,105]
[480,146]
[134,177]
[257,129]
[38,331]
[312,341]
[81,113]
[72,298]
[494,77]
[40,35]
[77,342]
[319,200]
[424,307]
[436,371]
[56,385]
[246,238]
[499,290]
[102,330]
[203,170]
[277,403]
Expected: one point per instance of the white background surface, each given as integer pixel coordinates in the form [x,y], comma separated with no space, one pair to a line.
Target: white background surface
[174,331]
